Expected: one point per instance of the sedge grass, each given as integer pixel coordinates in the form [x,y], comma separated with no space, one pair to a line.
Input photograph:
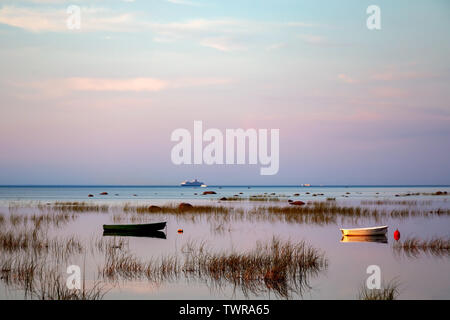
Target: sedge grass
[281,267]
[414,247]
[389,291]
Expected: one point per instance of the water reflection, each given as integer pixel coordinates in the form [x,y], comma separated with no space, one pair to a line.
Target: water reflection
[414,247]
[126,233]
[375,238]
[231,265]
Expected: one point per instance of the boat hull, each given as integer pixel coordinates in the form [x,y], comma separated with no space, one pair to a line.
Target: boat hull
[382,230]
[373,238]
[135,227]
[143,234]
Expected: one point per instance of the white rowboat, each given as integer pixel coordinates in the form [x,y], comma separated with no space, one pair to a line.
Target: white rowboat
[373,231]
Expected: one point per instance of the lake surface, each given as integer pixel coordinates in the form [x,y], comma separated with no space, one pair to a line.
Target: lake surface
[420,276]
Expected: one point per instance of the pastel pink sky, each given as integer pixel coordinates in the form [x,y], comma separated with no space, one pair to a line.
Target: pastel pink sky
[98,105]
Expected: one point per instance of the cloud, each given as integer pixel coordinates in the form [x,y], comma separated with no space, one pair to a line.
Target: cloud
[198,82]
[51,19]
[185,2]
[106,84]
[346,78]
[321,41]
[164,39]
[55,20]
[32,19]
[312,39]
[202,25]
[300,24]
[398,75]
[388,92]
[58,87]
[391,74]
[225,34]
[222,44]
[50,1]
[276,46]
[102,19]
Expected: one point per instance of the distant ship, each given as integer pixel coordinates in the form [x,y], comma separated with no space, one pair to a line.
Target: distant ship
[193,183]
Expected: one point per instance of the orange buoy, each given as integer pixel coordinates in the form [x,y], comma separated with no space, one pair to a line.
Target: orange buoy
[397,235]
[180,230]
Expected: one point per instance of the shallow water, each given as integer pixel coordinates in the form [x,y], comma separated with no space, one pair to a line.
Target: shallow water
[421,277]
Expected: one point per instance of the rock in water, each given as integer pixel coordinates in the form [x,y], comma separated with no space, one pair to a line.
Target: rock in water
[297,203]
[184,206]
[154,208]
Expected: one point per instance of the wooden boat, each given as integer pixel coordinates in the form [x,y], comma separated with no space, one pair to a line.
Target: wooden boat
[144,234]
[149,227]
[365,231]
[376,238]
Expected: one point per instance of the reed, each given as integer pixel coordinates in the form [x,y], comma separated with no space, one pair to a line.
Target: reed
[315,212]
[395,202]
[389,291]
[20,271]
[436,193]
[37,243]
[414,247]
[52,286]
[282,267]
[74,207]
[122,264]
[330,209]
[60,206]
[106,245]
[30,260]
[173,208]
[265,197]
[257,197]
[39,279]
[50,219]
[17,219]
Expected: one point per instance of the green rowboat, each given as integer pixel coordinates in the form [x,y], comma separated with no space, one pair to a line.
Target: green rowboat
[143,234]
[149,227]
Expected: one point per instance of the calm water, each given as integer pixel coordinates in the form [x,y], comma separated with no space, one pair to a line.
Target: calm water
[164,193]
[422,277]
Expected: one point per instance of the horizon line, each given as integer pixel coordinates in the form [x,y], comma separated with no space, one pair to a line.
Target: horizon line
[237,185]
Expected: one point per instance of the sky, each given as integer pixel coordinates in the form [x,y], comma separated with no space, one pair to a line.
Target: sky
[97,105]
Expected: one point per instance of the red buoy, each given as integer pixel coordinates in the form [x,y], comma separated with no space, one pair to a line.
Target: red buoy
[397,235]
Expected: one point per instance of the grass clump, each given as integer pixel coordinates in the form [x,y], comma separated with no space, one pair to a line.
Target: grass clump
[282,267]
[389,291]
[74,207]
[414,247]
